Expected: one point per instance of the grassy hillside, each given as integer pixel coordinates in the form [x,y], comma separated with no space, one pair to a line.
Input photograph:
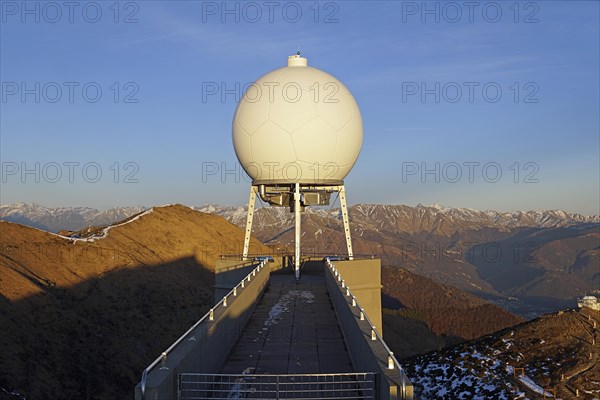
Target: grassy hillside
[82,318]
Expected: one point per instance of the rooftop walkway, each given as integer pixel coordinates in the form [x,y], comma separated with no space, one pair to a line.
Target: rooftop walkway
[292,330]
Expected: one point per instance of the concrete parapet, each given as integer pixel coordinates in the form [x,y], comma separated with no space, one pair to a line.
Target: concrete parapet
[228,273]
[366,348]
[206,346]
[364,277]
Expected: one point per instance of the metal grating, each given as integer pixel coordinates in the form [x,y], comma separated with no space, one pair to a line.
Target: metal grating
[288,386]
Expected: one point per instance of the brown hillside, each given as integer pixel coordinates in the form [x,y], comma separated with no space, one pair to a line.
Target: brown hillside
[438,315]
[82,319]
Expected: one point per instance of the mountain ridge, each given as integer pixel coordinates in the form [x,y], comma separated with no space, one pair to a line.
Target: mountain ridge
[55,219]
[77,218]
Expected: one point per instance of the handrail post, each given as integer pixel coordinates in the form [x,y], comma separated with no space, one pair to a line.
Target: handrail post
[163,361]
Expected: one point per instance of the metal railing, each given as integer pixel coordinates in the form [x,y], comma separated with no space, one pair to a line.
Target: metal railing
[392,362]
[209,316]
[305,255]
[268,386]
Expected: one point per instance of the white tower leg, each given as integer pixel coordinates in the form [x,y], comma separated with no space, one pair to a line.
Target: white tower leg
[251,203]
[343,205]
[298,230]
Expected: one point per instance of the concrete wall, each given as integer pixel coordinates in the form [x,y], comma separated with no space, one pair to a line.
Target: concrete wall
[230,271]
[364,279]
[367,355]
[207,347]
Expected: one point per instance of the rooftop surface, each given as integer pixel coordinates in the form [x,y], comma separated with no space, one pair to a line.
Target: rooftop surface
[293,329]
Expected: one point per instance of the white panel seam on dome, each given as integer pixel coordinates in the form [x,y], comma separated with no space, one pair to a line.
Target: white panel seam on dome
[330,124]
[279,126]
[304,124]
[260,126]
[244,129]
[346,123]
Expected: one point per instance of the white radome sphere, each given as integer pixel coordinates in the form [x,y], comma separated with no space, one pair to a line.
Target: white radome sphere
[297,124]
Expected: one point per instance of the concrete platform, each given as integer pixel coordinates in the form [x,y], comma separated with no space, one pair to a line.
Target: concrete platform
[293,329]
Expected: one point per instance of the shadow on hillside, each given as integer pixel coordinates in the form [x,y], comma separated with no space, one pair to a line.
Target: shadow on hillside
[511,265]
[530,307]
[390,302]
[93,340]
[23,220]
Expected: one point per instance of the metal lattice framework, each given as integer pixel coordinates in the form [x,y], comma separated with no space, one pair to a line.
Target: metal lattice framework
[295,196]
[288,386]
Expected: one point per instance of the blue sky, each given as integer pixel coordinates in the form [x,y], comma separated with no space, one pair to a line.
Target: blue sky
[542,133]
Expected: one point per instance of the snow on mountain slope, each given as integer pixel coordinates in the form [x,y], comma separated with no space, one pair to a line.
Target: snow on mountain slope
[556,351]
[64,218]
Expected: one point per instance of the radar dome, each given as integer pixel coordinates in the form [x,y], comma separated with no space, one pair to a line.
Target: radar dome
[297,124]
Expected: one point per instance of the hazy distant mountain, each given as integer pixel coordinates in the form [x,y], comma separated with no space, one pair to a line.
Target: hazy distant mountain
[530,262]
[553,351]
[431,219]
[63,218]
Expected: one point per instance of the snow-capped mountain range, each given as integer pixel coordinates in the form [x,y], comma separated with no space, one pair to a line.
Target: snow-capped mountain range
[527,255]
[64,218]
[413,218]
[384,217]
